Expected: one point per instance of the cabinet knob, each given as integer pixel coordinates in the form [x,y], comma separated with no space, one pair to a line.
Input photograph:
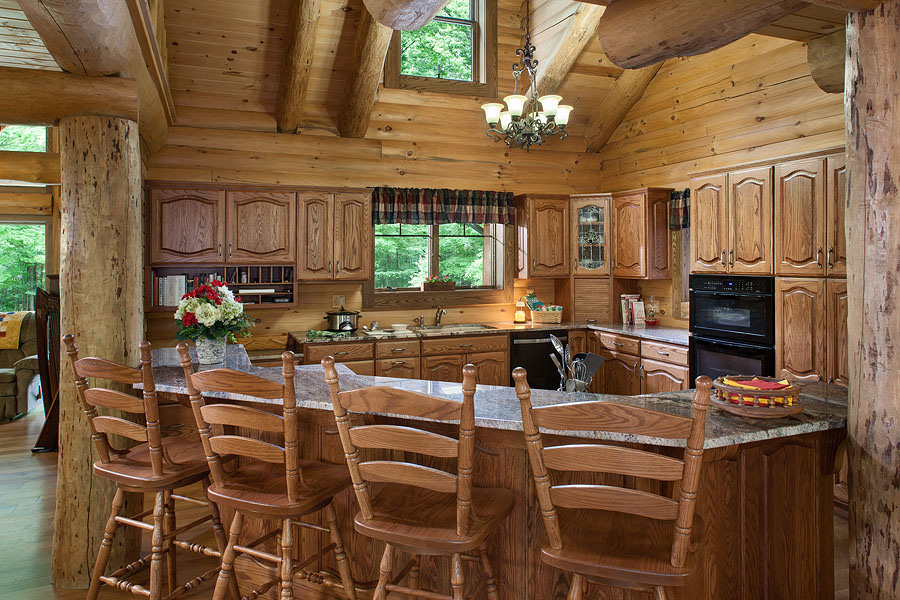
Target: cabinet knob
[819,258]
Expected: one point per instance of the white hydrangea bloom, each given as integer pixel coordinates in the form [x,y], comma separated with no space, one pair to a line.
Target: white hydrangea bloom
[207,314]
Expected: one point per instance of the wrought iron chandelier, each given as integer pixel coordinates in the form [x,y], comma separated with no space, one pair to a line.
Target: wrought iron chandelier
[521,125]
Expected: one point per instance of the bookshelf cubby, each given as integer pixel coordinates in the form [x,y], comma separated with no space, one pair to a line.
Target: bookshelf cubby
[259,286]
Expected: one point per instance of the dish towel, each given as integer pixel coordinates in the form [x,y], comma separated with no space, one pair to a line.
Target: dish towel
[680,209]
[10,328]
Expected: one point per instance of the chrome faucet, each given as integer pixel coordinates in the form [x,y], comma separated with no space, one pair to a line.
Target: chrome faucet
[440,312]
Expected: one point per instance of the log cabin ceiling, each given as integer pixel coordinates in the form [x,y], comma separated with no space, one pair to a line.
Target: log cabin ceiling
[20,44]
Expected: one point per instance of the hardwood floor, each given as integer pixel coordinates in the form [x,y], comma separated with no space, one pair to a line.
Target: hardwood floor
[27,492]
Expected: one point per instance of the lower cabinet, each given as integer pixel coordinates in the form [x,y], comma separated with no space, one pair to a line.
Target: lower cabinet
[404,368]
[837,367]
[657,377]
[443,368]
[492,367]
[620,374]
[800,328]
[361,367]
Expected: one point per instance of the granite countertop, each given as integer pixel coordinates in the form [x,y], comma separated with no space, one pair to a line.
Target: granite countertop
[656,333]
[496,407]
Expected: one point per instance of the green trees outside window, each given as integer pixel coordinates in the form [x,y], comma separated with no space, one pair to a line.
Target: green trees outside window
[23,138]
[445,47]
[22,260]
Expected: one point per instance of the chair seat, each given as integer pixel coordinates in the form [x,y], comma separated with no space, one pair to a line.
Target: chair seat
[133,468]
[7,375]
[423,520]
[261,488]
[618,547]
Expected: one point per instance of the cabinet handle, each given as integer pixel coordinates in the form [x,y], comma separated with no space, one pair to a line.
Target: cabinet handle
[731,257]
[637,373]
[618,344]
[337,266]
[831,257]
[641,374]
[661,353]
[722,259]
[819,258]
[341,353]
[397,349]
[533,264]
[220,248]
[466,345]
[229,249]
[398,362]
[329,267]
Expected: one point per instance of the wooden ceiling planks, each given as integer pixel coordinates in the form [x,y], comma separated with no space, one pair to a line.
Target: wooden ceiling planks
[20,44]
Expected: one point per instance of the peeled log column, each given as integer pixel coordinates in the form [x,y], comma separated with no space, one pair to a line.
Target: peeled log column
[102,304]
[872,116]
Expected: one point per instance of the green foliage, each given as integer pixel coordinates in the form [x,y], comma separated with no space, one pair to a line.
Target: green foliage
[461,249]
[22,260]
[25,138]
[442,49]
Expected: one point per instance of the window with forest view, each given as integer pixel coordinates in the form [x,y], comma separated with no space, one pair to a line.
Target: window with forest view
[23,138]
[470,254]
[23,256]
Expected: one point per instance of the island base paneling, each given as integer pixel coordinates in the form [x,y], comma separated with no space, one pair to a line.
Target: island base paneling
[766,511]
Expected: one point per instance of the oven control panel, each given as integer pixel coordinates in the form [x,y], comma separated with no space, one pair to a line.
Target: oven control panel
[727,283]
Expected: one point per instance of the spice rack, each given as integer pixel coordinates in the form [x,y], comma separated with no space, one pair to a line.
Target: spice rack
[263,285]
[259,286]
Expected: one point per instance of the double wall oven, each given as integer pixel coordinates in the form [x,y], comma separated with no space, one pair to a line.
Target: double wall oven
[732,325]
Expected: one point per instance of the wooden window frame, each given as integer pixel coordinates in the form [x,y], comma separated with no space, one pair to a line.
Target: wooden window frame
[484,58]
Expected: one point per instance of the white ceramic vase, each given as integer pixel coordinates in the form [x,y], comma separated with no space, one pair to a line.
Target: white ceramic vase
[210,352]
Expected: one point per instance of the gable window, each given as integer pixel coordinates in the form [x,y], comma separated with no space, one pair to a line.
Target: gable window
[455,52]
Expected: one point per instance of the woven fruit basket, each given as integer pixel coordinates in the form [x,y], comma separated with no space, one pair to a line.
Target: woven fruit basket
[546,316]
[756,403]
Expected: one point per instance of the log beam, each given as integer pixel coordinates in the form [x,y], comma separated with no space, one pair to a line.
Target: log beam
[872,120]
[826,56]
[668,29]
[405,15]
[372,41]
[30,167]
[53,95]
[296,63]
[25,203]
[624,93]
[555,67]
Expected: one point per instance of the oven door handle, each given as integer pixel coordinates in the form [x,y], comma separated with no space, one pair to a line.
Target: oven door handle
[730,343]
[707,294]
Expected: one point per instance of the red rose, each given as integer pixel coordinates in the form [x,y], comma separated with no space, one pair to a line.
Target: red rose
[188,319]
[217,283]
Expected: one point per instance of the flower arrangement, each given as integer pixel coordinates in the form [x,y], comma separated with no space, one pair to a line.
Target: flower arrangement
[213,312]
[438,279]
[438,282]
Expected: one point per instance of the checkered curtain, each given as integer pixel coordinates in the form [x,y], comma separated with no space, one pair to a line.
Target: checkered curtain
[422,206]
[680,209]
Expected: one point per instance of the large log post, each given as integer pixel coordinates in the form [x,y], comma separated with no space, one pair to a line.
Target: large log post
[872,115]
[102,304]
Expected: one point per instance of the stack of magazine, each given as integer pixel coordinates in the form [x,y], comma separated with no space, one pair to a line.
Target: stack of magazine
[632,309]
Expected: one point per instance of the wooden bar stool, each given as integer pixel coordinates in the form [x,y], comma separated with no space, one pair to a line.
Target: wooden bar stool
[272,483]
[157,465]
[609,535]
[422,510]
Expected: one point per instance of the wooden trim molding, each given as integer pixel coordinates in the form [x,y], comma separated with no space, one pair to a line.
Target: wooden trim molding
[767,162]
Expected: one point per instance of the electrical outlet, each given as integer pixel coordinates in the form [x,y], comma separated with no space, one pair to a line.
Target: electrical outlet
[337,301]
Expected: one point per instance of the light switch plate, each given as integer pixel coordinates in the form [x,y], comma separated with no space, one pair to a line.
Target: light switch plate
[337,301]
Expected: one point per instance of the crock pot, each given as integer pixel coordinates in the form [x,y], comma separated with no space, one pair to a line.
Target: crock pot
[342,320]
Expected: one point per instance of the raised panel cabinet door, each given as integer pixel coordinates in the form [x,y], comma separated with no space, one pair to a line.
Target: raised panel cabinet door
[187,226]
[404,368]
[443,368]
[800,218]
[548,237]
[492,367]
[800,328]
[836,200]
[750,222]
[621,374]
[838,368]
[590,236]
[261,226]
[709,224]
[659,243]
[315,254]
[658,377]
[352,236]
[630,226]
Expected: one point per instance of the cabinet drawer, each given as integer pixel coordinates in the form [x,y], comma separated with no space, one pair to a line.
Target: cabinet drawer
[394,348]
[619,343]
[407,368]
[677,355]
[341,352]
[461,345]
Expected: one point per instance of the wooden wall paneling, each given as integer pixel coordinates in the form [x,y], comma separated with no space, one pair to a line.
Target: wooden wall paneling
[315,250]
[837,351]
[30,167]
[800,218]
[836,200]
[709,224]
[800,327]
[25,203]
[261,226]
[750,222]
[187,225]
[352,236]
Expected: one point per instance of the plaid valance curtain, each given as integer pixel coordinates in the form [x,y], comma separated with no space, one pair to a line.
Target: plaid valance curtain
[680,209]
[423,206]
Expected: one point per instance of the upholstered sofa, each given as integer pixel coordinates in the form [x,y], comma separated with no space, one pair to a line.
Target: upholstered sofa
[17,368]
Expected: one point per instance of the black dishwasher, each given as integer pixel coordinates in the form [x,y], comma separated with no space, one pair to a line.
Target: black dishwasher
[531,350]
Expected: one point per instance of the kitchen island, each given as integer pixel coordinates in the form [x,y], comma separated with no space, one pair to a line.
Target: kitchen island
[765,497]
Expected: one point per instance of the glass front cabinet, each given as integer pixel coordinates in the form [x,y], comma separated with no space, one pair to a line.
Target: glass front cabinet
[590,234]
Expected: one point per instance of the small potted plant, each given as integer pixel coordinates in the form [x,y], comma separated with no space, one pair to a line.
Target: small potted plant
[210,315]
[435,283]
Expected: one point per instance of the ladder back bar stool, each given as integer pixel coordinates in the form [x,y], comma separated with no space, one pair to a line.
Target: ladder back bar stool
[607,534]
[272,482]
[421,510]
[157,465]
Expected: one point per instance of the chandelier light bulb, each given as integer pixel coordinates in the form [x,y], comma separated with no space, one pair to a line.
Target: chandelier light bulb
[549,104]
[492,112]
[562,114]
[505,120]
[515,104]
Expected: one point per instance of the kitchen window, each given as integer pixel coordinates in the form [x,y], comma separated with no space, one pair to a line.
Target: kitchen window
[23,261]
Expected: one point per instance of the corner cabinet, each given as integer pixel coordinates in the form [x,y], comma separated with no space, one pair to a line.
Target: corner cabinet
[334,236]
[260,226]
[187,226]
[543,236]
[641,238]
[590,235]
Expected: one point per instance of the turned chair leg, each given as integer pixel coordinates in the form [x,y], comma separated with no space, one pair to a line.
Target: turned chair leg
[157,547]
[491,582]
[412,578]
[577,589]
[170,526]
[340,556]
[219,533]
[226,571]
[106,545]
[287,565]
[384,572]
[660,593]
[457,578]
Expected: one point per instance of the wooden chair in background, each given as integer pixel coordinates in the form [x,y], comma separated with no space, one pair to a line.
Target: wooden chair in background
[273,482]
[46,314]
[156,465]
[421,510]
[610,535]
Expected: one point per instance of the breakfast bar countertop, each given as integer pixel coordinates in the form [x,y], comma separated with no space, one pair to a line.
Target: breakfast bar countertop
[497,407]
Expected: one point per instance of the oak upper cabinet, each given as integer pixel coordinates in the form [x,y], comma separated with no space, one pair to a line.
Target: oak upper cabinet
[187,226]
[836,201]
[261,226]
[800,328]
[800,217]
[709,224]
[543,236]
[641,234]
[334,236]
[750,222]
[590,234]
[837,369]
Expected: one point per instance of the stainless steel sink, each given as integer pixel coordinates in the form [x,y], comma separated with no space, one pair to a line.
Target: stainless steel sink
[452,327]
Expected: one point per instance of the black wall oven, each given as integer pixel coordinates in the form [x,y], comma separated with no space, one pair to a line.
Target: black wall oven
[732,324]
